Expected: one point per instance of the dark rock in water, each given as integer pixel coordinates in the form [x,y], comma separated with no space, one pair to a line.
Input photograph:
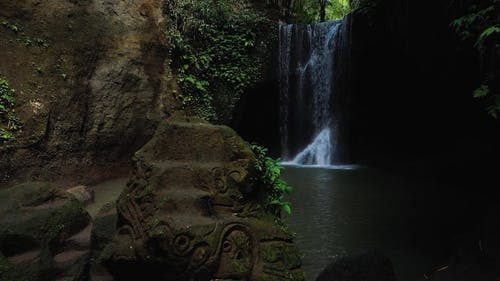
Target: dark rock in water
[39,227]
[191,212]
[365,266]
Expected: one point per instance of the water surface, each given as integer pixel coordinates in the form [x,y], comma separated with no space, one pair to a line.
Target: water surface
[338,211]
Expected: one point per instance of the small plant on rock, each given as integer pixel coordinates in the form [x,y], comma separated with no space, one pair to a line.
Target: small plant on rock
[269,176]
[9,123]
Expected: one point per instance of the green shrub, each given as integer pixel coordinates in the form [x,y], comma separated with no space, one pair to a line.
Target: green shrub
[269,177]
[480,29]
[218,50]
[9,123]
[309,11]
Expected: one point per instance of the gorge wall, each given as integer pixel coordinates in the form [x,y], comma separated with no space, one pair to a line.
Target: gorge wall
[92,80]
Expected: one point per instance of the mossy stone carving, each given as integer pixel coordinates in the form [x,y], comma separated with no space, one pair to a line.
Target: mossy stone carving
[190,212]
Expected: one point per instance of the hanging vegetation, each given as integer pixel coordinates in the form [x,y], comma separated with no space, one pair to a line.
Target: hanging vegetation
[218,50]
[311,11]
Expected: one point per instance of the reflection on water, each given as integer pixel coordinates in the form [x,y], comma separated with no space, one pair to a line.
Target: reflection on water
[337,211]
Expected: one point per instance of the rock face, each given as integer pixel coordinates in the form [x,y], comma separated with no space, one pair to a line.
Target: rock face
[42,234]
[366,266]
[191,212]
[91,79]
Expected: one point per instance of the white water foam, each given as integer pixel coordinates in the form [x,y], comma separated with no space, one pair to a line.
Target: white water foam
[318,152]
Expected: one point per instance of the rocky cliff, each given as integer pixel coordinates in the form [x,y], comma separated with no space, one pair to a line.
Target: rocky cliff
[91,79]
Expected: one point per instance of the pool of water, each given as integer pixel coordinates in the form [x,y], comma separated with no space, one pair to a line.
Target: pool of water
[339,211]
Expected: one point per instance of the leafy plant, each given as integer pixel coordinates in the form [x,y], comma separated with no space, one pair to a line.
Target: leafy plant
[480,29]
[218,51]
[9,123]
[269,177]
[311,11]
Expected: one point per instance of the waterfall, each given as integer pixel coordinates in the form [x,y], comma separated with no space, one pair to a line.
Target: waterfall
[309,62]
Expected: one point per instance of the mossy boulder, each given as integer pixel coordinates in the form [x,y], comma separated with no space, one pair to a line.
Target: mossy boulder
[34,215]
[35,221]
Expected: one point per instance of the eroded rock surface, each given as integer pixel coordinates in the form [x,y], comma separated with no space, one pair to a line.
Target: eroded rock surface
[192,212]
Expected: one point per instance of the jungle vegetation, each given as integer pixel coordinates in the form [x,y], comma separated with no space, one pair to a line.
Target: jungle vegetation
[479,28]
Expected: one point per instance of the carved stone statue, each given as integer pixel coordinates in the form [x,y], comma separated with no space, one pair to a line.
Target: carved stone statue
[192,212]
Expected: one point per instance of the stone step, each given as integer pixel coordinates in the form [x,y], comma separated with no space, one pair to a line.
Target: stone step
[199,141]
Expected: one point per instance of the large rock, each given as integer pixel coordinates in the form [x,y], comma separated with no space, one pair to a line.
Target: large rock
[37,227]
[92,83]
[365,266]
[192,212]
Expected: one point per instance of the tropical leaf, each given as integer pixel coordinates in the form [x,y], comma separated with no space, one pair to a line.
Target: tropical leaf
[482,91]
[487,33]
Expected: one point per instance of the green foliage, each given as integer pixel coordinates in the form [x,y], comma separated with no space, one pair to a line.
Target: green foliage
[487,33]
[494,109]
[269,177]
[481,92]
[12,26]
[480,29]
[338,9]
[219,50]
[9,123]
[309,10]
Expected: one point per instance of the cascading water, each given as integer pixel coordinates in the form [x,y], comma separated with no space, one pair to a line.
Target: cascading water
[308,65]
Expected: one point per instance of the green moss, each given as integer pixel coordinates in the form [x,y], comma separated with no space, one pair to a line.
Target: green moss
[281,253]
[271,255]
[241,267]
